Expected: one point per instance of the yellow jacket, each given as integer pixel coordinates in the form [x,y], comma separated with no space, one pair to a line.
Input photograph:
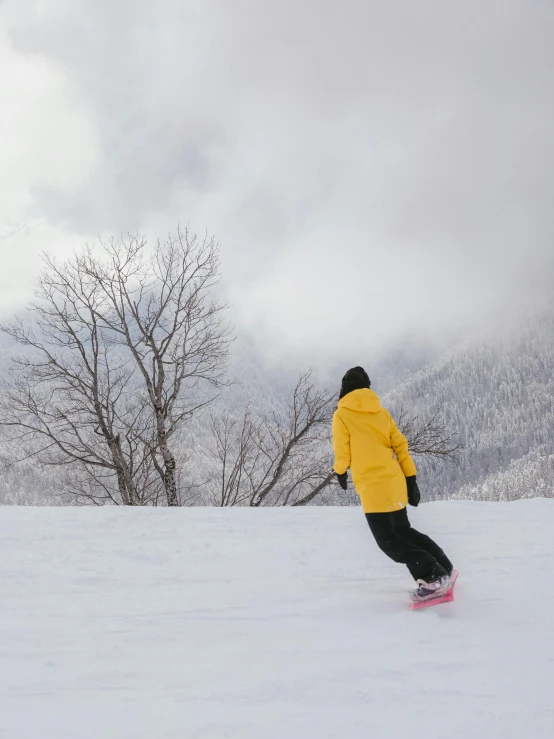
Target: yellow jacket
[365,438]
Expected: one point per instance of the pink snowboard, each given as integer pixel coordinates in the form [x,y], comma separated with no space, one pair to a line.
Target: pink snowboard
[448,597]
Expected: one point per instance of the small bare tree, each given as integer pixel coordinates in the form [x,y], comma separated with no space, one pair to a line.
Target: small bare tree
[271,461]
[122,343]
[274,460]
[235,456]
[429,436]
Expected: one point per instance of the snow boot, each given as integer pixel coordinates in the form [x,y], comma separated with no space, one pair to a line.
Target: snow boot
[428,590]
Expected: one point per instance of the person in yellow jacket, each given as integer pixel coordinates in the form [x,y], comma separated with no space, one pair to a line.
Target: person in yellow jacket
[367,441]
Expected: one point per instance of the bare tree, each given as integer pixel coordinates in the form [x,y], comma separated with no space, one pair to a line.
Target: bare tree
[274,460]
[161,311]
[121,345]
[66,401]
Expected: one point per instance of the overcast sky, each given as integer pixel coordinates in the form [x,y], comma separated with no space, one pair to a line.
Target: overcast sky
[373,170]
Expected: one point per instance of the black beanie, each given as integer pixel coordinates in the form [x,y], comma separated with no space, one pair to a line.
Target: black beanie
[355,379]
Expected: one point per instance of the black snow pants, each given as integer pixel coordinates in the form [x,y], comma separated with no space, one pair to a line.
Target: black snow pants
[396,538]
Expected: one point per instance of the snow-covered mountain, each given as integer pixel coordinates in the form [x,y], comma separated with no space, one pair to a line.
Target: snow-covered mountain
[497,394]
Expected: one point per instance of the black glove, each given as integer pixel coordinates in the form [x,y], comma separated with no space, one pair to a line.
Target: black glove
[414,496]
[343,480]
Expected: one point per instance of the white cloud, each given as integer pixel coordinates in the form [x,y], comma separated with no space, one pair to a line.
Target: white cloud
[371,169]
[48,144]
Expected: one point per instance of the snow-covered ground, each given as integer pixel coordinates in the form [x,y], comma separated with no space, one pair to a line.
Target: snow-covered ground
[272,624]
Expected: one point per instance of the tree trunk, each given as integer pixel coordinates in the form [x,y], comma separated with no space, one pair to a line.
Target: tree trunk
[123,488]
[169,481]
[169,462]
[125,482]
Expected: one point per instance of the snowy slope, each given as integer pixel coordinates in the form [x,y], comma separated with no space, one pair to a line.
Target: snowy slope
[272,624]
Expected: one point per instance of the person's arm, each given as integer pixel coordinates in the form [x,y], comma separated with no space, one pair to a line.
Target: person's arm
[341,445]
[399,444]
